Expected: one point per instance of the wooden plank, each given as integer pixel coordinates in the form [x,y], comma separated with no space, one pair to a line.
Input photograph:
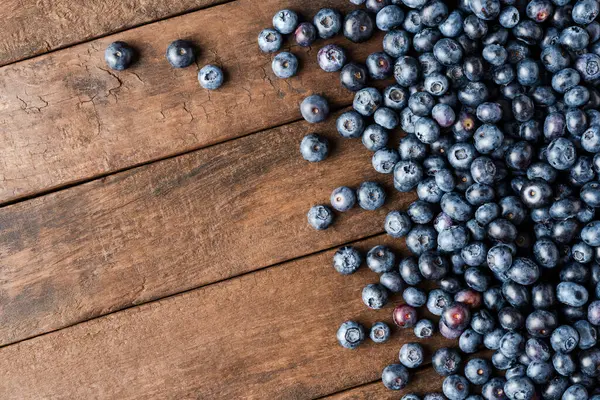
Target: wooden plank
[265,335]
[30,28]
[423,381]
[175,225]
[65,118]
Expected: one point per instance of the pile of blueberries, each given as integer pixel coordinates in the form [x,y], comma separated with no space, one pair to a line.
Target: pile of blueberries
[498,100]
[180,54]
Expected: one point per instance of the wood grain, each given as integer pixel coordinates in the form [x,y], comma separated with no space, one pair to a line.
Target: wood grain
[175,225]
[265,335]
[423,381]
[33,27]
[65,118]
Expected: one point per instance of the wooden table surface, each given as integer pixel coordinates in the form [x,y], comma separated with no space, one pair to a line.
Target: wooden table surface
[153,236]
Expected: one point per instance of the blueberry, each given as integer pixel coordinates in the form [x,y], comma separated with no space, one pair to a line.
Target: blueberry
[571,294]
[314,109]
[375,6]
[478,371]
[395,377]
[381,259]
[384,160]
[314,148]
[412,21]
[395,97]
[386,117]
[470,341]
[444,115]
[448,51]
[350,125]
[537,350]
[328,22]
[565,79]
[427,130]
[411,355]
[409,270]
[424,329]
[407,175]
[396,43]
[379,65]
[358,26]
[320,217]
[405,316]
[585,11]
[371,196]
[119,56]
[375,137]
[347,260]
[397,224]
[588,335]
[211,77]
[541,323]
[366,101]
[575,392]
[421,103]
[554,389]
[437,301]
[269,40]
[392,281]
[406,71]
[285,65]
[446,361]
[285,21]
[375,296]
[493,299]
[180,53]
[516,371]
[590,234]
[343,198]
[420,212]
[563,364]
[380,332]
[492,339]
[420,239]
[574,38]
[455,387]
[564,339]
[453,25]
[561,153]
[353,76]
[305,34]
[473,94]
[350,334]
[389,17]
[488,138]
[474,27]
[501,362]
[589,362]
[331,58]
[485,9]
[519,388]
[424,40]
[588,65]
[510,318]
[509,17]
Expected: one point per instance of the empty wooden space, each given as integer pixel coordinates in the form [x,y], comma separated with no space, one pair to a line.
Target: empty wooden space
[153,235]
[270,334]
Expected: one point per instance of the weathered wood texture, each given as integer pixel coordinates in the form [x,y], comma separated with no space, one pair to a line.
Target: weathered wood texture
[265,335]
[175,225]
[64,117]
[33,27]
[423,381]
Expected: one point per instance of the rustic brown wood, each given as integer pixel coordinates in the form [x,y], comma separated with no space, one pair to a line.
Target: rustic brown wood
[423,381]
[30,28]
[175,225]
[265,335]
[64,117]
